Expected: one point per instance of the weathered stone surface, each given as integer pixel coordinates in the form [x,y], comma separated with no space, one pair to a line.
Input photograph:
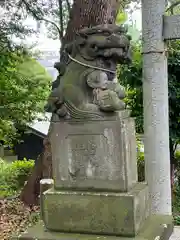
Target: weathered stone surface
[89,69]
[45,184]
[171,28]
[156,227]
[99,213]
[155,101]
[94,154]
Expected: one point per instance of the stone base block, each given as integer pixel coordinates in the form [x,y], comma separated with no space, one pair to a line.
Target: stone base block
[94,155]
[96,213]
[155,228]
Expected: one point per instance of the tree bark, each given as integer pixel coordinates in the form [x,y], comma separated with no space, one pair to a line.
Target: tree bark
[42,169]
[84,13]
[88,13]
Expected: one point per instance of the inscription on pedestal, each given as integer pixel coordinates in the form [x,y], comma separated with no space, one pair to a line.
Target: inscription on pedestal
[93,155]
[89,157]
[82,156]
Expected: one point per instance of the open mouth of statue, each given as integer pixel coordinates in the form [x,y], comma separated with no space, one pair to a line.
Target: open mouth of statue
[118,55]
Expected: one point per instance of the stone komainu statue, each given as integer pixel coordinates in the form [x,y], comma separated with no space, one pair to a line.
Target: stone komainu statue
[87,87]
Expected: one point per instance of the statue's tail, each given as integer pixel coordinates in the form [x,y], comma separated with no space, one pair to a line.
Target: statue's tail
[76,113]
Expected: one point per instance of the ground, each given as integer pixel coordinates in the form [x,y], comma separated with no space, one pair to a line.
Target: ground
[176,234]
[15,217]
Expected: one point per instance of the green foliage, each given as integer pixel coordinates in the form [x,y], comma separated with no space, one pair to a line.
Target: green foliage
[140,162]
[24,88]
[141,178]
[13,176]
[177,155]
[177,159]
[131,78]
[177,220]
[12,23]
[174,90]
[121,17]
[176,204]
[55,14]
[177,165]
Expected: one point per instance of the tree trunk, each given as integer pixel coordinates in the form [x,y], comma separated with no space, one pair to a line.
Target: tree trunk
[87,13]
[42,169]
[84,13]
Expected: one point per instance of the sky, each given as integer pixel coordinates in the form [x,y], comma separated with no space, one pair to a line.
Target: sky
[136,17]
[50,48]
[46,44]
[43,43]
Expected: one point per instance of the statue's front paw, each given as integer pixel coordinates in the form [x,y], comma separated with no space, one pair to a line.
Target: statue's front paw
[118,89]
[108,101]
[62,111]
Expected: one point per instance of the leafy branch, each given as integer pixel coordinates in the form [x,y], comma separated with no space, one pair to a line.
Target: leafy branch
[61,17]
[68,6]
[171,8]
[41,18]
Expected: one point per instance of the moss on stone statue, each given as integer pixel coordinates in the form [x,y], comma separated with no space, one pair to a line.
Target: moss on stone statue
[156,226]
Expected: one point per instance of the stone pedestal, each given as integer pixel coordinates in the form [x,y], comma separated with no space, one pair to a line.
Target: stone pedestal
[95,185]
[96,213]
[95,155]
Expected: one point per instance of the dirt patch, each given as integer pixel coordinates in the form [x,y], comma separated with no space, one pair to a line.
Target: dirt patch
[15,217]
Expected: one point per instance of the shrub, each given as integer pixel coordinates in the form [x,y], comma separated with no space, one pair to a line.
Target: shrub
[177,160]
[176,204]
[141,167]
[13,176]
[177,220]
[140,162]
[177,155]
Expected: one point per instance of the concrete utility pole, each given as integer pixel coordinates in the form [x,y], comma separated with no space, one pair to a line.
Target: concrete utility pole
[156,114]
